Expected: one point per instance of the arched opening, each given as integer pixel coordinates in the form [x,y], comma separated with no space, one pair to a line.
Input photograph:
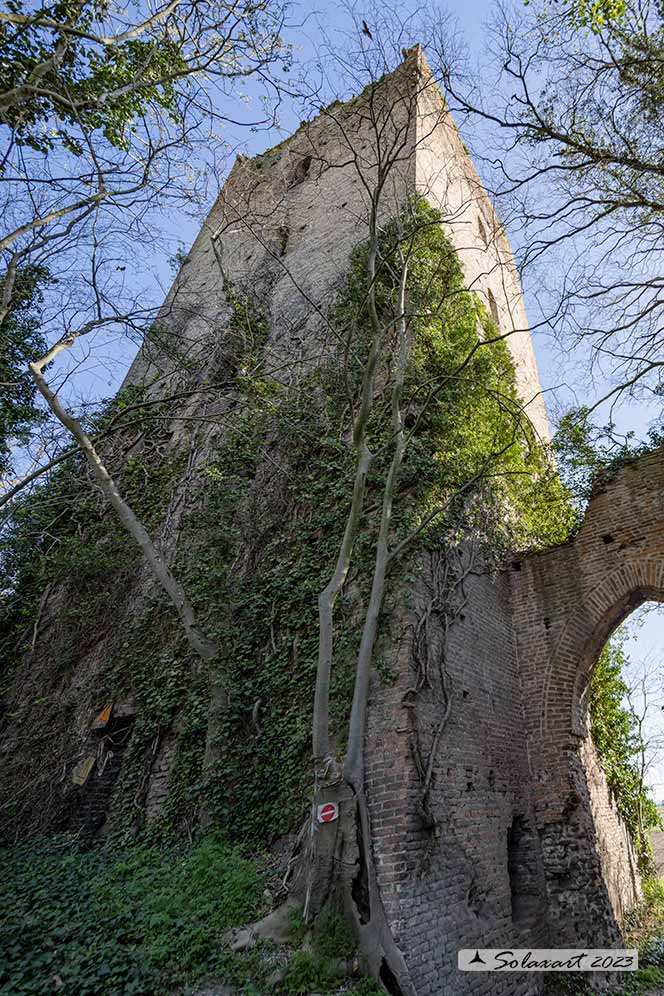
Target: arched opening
[631,611]
[621,708]
[567,602]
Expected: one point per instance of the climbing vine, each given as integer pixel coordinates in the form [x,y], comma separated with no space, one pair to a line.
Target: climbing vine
[69,568]
[265,533]
[264,519]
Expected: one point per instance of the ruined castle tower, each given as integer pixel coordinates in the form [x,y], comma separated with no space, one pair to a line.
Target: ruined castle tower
[287,221]
[528,850]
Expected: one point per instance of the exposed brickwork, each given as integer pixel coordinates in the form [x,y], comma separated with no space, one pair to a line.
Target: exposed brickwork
[529,848]
[566,603]
[107,745]
[450,887]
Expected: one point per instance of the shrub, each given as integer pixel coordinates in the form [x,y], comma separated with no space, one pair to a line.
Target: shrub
[333,937]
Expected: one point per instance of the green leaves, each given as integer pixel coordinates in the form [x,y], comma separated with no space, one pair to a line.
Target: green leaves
[614,734]
[125,923]
[21,340]
[61,81]
[594,14]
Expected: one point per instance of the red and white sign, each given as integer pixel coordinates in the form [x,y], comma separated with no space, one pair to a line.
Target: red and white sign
[328,812]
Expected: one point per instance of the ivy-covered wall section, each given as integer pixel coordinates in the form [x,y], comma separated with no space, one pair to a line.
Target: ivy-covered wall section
[258,526]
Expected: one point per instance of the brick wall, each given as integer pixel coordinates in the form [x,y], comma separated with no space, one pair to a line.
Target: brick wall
[527,848]
[566,603]
[456,884]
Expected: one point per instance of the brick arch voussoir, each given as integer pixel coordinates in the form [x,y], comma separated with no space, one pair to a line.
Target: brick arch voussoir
[631,584]
[582,638]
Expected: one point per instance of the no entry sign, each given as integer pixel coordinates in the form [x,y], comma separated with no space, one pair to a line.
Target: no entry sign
[327,812]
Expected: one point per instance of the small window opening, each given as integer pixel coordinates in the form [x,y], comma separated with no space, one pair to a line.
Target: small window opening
[282,239]
[607,538]
[301,171]
[482,230]
[493,307]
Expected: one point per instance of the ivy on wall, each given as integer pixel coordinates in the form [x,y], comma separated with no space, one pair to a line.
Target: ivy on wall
[614,732]
[263,539]
[264,522]
[69,567]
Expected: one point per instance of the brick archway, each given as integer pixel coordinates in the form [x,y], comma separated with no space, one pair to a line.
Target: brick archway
[566,603]
[622,593]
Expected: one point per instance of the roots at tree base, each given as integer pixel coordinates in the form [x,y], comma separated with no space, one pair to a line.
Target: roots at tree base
[335,869]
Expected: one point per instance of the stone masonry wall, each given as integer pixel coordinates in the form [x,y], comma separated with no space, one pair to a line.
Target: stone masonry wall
[286,223]
[528,848]
[447,177]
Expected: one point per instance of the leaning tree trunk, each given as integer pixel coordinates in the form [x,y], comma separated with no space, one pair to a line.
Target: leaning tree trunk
[207,650]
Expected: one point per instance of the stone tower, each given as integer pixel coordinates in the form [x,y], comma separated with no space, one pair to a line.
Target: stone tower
[520,861]
[287,221]
[529,850]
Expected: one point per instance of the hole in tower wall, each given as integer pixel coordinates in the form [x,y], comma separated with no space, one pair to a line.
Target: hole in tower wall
[301,171]
[493,307]
[523,871]
[482,231]
[94,798]
[283,233]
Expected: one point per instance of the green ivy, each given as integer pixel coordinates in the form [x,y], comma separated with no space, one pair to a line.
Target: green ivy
[590,455]
[64,538]
[253,558]
[613,729]
[258,544]
[254,562]
[129,922]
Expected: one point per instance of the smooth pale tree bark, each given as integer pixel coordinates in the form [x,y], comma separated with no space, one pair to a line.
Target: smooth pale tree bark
[327,598]
[326,603]
[354,761]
